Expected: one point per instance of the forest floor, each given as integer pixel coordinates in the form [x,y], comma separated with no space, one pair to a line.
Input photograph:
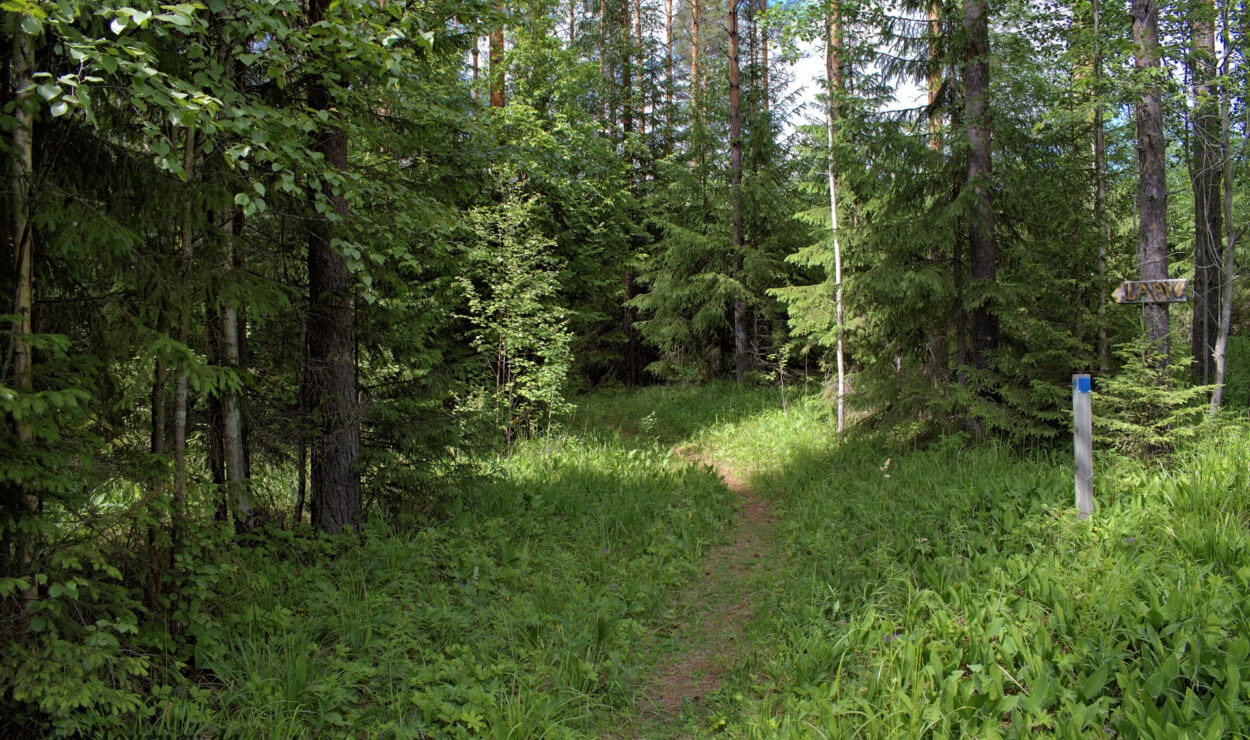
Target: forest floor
[707,641]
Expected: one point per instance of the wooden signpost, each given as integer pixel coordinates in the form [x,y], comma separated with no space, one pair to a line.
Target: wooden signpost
[1130,291]
[1151,291]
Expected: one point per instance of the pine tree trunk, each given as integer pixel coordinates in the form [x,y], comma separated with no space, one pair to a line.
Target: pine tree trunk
[735,185]
[1101,223]
[938,371]
[670,83]
[1152,254]
[633,343]
[696,80]
[933,79]
[765,75]
[1206,173]
[640,54]
[330,378]
[496,67]
[982,239]
[627,71]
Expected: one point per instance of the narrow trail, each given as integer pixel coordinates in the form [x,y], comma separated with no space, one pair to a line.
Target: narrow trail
[715,608]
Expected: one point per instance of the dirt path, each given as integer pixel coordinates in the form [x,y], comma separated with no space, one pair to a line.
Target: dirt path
[714,609]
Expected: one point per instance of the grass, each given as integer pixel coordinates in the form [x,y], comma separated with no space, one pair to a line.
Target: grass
[951,591]
[523,614]
[938,592]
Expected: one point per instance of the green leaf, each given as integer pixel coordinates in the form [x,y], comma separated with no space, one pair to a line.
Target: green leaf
[119,24]
[10,586]
[59,108]
[1094,682]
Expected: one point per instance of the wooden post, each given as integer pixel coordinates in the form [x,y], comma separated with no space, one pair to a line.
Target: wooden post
[1082,416]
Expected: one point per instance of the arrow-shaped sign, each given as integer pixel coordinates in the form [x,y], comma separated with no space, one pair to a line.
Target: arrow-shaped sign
[1151,291]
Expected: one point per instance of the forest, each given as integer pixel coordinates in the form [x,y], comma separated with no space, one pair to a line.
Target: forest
[442,368]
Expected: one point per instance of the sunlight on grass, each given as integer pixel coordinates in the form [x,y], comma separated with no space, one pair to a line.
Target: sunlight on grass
[945,592]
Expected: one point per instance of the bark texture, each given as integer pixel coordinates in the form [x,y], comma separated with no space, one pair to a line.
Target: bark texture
[983,244]
[330,378]
[735,185]
[22,178]
[835,85]
[1152,237]
[1206,172]
[496,67]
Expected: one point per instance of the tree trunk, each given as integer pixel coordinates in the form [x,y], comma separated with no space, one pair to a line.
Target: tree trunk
[933,80]
[633,343]
[834,85]
[181,401]
[981,237]
[22,185]
[1101,223]
[233,443]
[696,80]
[735,185]
[496,66]
[1230,236]
[1205,173]
[1152,253]
[938,371]
[765,78]
[627,71]
[669,82]
[330,378]
[640,53]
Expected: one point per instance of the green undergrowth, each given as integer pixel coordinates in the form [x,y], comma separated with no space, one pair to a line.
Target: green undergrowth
[947,591]
[521,616]
[953,592]
[523,613]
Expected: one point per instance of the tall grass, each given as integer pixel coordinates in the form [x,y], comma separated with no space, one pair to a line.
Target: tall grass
[952,591]
[522,614]
[940,592]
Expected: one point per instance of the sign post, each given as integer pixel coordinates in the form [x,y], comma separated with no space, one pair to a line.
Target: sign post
[1151,291]
[1130,291]
[1082,416]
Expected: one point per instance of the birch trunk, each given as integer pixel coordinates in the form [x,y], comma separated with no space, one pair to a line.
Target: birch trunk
[1230,237]
[835,82]
[22,179]
[233,444]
